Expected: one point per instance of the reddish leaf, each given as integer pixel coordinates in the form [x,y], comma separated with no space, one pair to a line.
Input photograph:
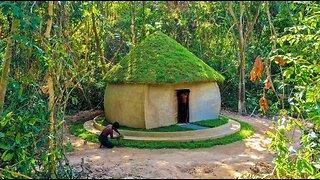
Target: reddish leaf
[253,74]
[259,67]
[267,83]
[280,60]
[263,104]
[44,89]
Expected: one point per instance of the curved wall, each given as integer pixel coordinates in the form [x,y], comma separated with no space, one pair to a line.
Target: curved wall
[151,106]
[125,104]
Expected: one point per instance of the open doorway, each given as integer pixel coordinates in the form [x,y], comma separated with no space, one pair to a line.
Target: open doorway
[183,105]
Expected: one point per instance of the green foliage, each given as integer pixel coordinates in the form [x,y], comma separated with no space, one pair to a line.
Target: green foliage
[68,146]
[246,130]
[160,59]
[202,27]
[298,82]
[295,162]
[23,138]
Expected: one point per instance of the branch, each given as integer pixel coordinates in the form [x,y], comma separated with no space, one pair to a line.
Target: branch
[49,23]
[16,173]
[231,28]
[273,33]
[99,51]
[114,57]
[254,20]
[76,28]
[232,14]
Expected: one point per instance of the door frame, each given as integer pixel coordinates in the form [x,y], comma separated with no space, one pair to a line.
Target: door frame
[177,94]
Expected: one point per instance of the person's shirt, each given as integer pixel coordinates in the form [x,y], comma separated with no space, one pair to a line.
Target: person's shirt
[108,131]
[184,98]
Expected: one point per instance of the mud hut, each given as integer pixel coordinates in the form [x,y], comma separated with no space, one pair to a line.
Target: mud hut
[160,83]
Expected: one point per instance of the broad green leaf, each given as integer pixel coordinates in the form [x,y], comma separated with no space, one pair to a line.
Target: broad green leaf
[32,121]
[2,146]
[8,157]
[287,73]
[270,134]
[18,138]
[308,167]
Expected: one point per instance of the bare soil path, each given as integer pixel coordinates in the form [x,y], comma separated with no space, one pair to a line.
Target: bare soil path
[223,161]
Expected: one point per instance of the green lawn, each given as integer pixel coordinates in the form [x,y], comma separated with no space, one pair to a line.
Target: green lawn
[246,130]
[173,128]
[101,120]
[212,122]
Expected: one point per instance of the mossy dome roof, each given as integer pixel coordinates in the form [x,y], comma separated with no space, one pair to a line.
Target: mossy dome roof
[160,59]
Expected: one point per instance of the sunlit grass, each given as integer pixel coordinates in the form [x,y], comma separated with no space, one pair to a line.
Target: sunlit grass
[213,122]
[246,130]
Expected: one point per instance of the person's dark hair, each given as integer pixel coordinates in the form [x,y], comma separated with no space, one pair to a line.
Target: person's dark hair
[115,125]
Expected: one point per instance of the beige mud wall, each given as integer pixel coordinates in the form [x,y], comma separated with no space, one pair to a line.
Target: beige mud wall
[125,104]
[161,103]
[204,101]
[160,106]
[151,106]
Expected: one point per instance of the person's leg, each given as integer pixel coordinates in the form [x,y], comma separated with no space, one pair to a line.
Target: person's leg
[100,140]
[103,140]
[109,144]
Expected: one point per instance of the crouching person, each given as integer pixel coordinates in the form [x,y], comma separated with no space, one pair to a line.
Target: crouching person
[108,130]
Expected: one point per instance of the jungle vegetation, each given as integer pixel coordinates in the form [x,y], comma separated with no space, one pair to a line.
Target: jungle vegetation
[54,56]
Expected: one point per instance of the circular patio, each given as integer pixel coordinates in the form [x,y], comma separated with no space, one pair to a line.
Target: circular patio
[181,136]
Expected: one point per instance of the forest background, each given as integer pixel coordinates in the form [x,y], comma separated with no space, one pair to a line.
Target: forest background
[54,56]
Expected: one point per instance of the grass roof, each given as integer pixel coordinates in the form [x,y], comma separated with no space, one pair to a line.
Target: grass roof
[160,59]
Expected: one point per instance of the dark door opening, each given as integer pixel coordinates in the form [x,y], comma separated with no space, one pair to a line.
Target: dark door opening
[183,105]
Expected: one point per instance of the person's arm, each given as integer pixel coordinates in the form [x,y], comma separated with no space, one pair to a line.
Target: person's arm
[116,130]
[111,134]
[118,137]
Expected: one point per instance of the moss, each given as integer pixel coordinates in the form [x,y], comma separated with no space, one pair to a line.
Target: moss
[246,130]
[213,122]
[173,128]
[160,59]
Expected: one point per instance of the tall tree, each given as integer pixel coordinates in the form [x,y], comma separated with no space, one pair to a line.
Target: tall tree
[242,37]
[98,44]
[133,14]
[6,66]
[51,99]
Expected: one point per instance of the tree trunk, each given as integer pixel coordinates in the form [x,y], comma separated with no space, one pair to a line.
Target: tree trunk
[241,97]
[49,79]
[242,45]
[5,71]
[143,31]
[132,12]
[99,51]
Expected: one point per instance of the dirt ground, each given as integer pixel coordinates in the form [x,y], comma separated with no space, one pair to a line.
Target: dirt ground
[223,161]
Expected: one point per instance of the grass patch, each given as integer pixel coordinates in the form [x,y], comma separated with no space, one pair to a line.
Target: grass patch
[78,130]
[101,119]
[212,122]
[173,128]
[246,130]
